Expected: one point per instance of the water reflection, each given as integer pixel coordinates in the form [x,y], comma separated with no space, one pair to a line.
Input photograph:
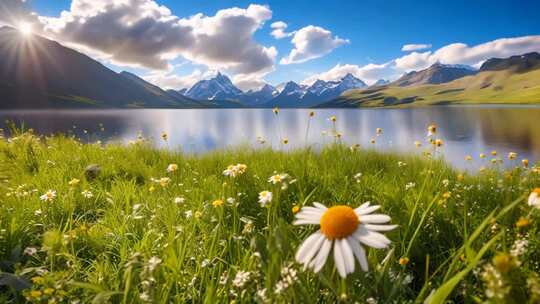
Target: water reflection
[465,129]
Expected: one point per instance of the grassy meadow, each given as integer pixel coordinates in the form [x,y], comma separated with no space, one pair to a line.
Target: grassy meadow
[490,87]
[113,223]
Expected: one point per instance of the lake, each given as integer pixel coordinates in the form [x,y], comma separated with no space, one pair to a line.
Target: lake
[464,129]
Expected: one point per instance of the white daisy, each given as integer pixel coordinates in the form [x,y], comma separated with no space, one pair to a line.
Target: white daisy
[534,198]
[48,196]
[172,168]
[265,197]
[343,228]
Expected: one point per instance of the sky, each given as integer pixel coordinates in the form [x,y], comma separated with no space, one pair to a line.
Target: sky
[173,44]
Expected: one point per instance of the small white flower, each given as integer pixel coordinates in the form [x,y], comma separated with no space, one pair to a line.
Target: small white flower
[241,278]
[87,194]
[179,200]
[534,198]
[30,251]
[153,263]
[265,197]
[344,229]
[172,168]
[409,186]
[49,196]
[278,178]
[188,214]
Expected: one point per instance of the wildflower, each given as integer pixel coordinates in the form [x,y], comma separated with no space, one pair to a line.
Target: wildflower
[153,263]
[172,168]
[179,200]
[35,293]
[525,162]
[235,170]
[261,140]
[432,130]
[503,262]
[265,197]
[438,142]
[496,288]
[188,214]
[534,198]
[468,158]
[512,155]
[333,118]
[410,185]
[30,251]
[152,189]
[522,222]
[217,203]
[417,144]
[276,110]
[494,153]
[343,228]
[311,114]
[403,261]
[482,155]
[285,141]
[278,178]
[198,214]
[295,209]
[372,141]
[87,194]
[48,291]
[447,195]
[164,181]
[241,278]
[49,196]
[378,131]
[164,136]
[519,247]
[74,182]
[354,147]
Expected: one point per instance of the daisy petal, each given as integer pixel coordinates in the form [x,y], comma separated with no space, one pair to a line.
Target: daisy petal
[320,260]
[347,255]
[313,247]
[309,247]
[339,260]
[379,227]
[306,222]
[375,219]
[371,238]
[359,252]
[312,209]
[320,206]
[368,210]
[363,206]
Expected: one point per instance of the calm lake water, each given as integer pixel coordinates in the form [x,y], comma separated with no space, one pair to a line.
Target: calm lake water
[464,129]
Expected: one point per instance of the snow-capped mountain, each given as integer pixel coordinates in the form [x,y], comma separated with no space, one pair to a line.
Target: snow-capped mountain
[258,98]
[217,88]
[290,94]
[380,82]
[295,95]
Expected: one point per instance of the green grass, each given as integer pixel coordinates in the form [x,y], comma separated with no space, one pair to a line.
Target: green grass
[484,88]
[99,250]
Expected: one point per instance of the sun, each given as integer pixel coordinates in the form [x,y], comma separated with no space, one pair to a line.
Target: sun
[25,28]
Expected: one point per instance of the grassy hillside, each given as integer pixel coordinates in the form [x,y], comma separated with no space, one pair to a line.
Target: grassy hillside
[485,87]
[126,230]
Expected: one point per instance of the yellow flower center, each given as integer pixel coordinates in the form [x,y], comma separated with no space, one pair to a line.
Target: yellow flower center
[537,191]
[339,222]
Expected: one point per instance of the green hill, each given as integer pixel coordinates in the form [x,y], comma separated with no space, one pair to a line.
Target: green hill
[511,85]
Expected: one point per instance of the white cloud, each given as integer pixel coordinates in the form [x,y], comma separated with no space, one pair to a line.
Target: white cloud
[171,80]
[461,53]
[456,53]
[415,47]
[312,42]
[369,73]
[278,30]
[144,33]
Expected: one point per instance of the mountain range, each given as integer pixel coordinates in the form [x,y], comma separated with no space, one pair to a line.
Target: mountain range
[36,72]
[499,80]
[289,95]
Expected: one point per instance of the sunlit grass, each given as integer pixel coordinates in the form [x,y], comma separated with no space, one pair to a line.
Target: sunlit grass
[135,224]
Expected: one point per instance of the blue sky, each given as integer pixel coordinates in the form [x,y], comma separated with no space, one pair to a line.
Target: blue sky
[376,31]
